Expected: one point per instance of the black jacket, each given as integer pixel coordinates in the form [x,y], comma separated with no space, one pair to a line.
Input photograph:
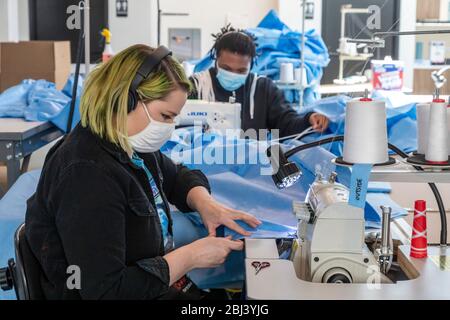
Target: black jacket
[271,110]
[93,208]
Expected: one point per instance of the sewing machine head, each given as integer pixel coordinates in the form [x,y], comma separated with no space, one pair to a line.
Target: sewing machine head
[331,237]
[217,116]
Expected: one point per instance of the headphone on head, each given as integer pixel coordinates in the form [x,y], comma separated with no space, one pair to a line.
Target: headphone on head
[149,64]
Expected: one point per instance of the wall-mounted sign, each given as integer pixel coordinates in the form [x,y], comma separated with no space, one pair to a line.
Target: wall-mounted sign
[122,8]
[309,10]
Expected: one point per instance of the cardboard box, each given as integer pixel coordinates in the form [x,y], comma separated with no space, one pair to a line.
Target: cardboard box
[49,60]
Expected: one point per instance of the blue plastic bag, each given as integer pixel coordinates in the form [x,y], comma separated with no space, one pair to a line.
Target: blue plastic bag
[14,100]
[44,101]
[61,118]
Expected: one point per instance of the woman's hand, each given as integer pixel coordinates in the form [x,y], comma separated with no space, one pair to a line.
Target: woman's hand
[211,252]
[318,122]
[207,252]
[215,214]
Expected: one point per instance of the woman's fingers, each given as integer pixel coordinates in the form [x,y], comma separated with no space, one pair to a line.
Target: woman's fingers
[236,245]
[231,224]
[247,218]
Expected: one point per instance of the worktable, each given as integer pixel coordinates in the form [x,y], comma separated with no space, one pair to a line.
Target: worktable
[18,140]
[430,278]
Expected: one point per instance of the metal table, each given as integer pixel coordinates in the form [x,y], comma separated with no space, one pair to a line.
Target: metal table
[18,140]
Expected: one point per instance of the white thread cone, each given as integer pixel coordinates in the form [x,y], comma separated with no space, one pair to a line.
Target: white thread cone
[287,72]
[423,118]
[365,137]
[437,149]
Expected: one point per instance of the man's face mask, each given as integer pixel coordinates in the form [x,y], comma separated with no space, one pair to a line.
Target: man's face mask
[153,137]
[231,81]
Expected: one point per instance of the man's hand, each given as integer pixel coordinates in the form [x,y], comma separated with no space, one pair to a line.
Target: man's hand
[319,122]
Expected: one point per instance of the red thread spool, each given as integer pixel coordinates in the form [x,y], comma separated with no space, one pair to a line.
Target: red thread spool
[419,242]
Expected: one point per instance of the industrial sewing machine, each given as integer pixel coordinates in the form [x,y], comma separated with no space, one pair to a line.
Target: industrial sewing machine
[331,244]
[333,257]
[214,116]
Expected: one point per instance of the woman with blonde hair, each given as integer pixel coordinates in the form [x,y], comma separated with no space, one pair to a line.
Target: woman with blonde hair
[102,202]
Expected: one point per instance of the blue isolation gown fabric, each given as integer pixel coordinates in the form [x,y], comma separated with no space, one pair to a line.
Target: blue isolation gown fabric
[277,44]
[34,100]
[39,100]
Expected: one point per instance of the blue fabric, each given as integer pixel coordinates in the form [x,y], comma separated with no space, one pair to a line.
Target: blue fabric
[276,44]
[237,186]
[34,100]
[13,206]
[160,207]
[39,100]
[60,119]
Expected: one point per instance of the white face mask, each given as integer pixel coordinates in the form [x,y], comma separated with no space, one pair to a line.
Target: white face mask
[153,137]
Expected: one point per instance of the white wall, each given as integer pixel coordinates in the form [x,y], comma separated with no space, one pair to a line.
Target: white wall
[291,13]
[211,15]
[141,24]
[407,44]
[24,23]
[3,20]
[136,28]
[11,27]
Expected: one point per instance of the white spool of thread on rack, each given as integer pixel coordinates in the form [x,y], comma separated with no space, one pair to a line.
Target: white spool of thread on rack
[301,73]
[423,118]
[287,73]
[365,137]
[437,148]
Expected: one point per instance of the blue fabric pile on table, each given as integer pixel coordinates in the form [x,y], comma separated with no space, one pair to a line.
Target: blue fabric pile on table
[39,100]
